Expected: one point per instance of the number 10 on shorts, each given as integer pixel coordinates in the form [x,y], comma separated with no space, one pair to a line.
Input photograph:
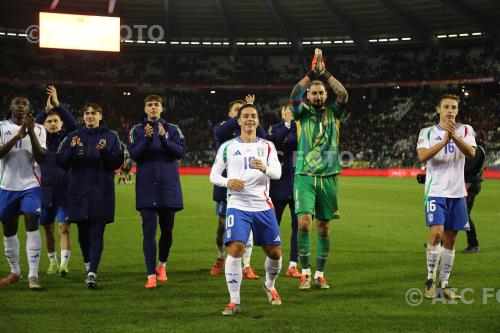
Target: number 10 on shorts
[229,224]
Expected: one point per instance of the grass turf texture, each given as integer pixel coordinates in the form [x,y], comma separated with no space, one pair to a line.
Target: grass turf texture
[376,256]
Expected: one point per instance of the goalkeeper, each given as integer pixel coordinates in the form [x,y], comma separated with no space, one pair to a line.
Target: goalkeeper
[318,163]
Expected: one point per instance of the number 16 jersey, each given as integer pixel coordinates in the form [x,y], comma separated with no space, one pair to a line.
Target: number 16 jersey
[445,170]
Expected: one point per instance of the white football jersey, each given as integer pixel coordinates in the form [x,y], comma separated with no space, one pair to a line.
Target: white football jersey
[18,170]
[235,156]
[445,171]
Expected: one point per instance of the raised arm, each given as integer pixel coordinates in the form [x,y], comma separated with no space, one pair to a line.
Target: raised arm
[5,148]
[37,139]
[467,143]
[173,144]
[139,145]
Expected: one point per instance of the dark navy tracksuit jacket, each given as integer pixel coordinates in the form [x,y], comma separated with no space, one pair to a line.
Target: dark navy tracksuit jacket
[91,188]
[157,183]
[54,182]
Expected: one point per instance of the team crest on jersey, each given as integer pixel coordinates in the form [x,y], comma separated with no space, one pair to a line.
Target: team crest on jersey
[260,151]
[430,217]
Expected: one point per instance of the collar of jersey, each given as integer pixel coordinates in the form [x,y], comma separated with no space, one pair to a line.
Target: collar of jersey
[239,140]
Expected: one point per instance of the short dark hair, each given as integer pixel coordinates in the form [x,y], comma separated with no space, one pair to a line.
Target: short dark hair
[244,106]
[153,98]
[448,96]
[94,106]
[236,101]
[317,83]
[53,113]
[20,96]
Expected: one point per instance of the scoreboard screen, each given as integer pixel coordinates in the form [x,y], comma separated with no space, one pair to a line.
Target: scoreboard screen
[79,32]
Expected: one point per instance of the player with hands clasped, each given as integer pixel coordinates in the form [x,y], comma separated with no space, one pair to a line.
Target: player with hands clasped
[58,122]
[443,147]
[22,150]
[250,163]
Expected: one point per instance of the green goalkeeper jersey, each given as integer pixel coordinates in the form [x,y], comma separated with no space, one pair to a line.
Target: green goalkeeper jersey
[318,139]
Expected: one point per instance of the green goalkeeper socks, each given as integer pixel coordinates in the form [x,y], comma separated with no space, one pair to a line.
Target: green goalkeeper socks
[322,249]
[304,245]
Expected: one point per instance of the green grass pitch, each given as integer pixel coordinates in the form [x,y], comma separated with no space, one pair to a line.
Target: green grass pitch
[376,256]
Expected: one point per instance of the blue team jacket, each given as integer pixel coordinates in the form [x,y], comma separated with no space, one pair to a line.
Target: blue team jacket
[54,182]
[91,187]
[157,183]
[285,140]
[225,131]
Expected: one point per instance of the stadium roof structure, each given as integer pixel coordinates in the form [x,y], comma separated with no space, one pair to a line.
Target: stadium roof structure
[359,22]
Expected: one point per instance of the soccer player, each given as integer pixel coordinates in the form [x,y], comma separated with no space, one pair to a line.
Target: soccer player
[157,146]
[91,154]
[124,176]
[473,170]
[250,162]
[444,147]
[284,137]
[223,132]
[318,164]
[54,183]
[22,150]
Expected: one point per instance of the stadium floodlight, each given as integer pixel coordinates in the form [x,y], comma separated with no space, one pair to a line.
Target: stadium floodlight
[338,42]
[261,43]
[306,43]
[195,43]
[217,43]
[393,39]
[406,38]
[2,33]
[373,40]
[283,43]
[240,43]
[141,41]
[452,36]
[316,42]
[477,33]
[326,42]
[349,41]
[225,43]
[464,35]
[174,43]
[272,43]
[151,42]
[128,40]
[162,42]
[11,34]
[383,40]
[207,43]
[184,43]
[79,32]
[212,91]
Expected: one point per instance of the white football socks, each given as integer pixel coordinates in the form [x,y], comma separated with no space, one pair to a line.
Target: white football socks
[233,277]
[447,257]
[33,250]
[11,246]
[433,256]
[247,254]
[273,268]
[65,255]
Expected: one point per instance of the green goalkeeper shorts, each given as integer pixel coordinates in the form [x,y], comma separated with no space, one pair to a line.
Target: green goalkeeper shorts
[316,196]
